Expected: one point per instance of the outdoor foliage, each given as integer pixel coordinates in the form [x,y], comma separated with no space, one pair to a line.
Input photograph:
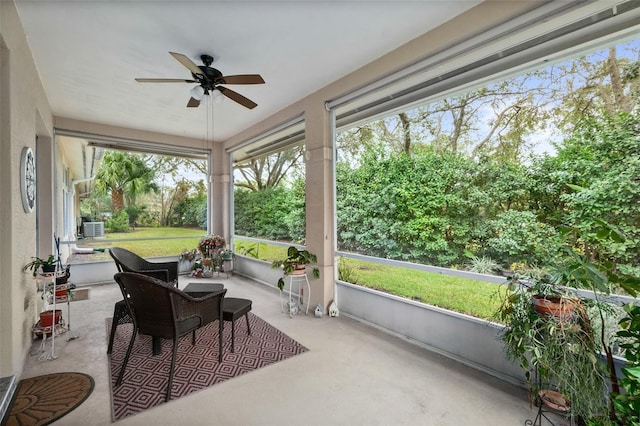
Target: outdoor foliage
[119,222]
[433,208]
[273,213]
[517,236]
[192,211]
[122,174]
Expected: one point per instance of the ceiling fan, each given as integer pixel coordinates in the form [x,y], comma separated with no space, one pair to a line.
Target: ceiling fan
[209,80]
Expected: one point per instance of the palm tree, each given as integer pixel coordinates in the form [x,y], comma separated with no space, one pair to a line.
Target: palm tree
[123,174]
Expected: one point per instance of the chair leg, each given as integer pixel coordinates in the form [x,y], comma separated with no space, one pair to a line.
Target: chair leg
[117,315]
[246,316]
[126,357]
[173,365]
[193,338]
[220,332]
[233,335]
[114,324]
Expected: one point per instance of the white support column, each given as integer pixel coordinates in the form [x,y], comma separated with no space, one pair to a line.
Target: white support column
[219,202]
[319,200]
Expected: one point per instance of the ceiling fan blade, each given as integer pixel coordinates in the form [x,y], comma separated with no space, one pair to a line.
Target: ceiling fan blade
[193,103]
[186,62]
[164,80]
[235,96]
[240,79]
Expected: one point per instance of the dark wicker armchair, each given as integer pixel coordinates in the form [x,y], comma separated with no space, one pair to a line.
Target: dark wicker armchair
[127,261]
[159,309]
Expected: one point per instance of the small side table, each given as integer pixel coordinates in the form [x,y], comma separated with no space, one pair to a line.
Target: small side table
[296,297]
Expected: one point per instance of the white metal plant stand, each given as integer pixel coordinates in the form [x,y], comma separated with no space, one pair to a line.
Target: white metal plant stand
[295,290]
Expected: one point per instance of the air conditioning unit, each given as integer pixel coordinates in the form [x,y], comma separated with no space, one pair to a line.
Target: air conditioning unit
[93,229]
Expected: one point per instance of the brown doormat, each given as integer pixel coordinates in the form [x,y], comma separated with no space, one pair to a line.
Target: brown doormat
[42,400]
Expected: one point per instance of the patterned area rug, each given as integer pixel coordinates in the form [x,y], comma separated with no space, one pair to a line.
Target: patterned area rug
[44,399]
[145,381]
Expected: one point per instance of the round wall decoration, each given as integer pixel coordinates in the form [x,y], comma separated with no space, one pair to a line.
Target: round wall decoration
[28,179]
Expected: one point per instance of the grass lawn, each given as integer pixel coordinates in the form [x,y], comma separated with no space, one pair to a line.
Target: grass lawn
[476,298]
[262,251]
[188,239]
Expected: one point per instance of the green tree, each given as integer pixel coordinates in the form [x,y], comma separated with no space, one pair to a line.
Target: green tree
[605,155]
[603,83]
[122,173]
[269,171]
[191,211]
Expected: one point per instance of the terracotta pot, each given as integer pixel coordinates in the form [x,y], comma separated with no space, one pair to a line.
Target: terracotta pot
[207,261]
[552,305]
[554,400]
[46,318]
[299,270]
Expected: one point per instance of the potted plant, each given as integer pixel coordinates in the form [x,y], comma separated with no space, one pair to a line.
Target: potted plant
[295,263]
[546,297]
[226,260]
[47,265]
[211,245]
[557,350]
[187,259]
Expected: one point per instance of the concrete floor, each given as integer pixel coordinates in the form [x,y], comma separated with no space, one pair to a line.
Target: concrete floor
[352,375]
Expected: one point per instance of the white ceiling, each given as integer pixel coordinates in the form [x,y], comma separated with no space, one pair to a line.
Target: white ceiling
[89,52]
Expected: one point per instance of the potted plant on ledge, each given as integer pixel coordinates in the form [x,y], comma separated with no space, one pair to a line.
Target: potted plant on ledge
[549,333]
[295,263]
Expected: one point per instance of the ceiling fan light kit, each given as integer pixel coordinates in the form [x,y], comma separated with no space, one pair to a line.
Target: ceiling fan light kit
[217,96]
[197,92]
[210,81]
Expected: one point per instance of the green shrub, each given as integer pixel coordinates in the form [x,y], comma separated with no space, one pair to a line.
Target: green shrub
[517,236]
[119,222]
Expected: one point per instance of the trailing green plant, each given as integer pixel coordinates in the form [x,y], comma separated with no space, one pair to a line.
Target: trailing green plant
[627,402]
[558,351]
[585,269]
[294,259]
[37,263]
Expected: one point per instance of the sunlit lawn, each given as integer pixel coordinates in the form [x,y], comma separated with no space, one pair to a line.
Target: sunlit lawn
[188,239]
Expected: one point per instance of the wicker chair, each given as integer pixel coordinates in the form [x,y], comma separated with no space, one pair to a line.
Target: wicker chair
[159,309]
[127,261]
